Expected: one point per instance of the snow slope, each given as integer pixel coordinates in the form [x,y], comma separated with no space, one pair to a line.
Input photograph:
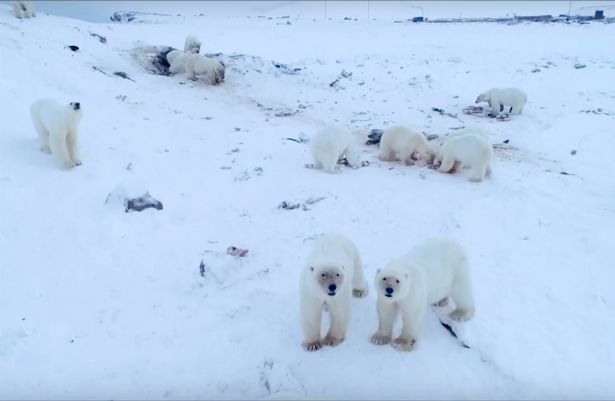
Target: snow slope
[98,303]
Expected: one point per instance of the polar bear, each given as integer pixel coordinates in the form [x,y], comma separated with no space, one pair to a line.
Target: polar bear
[331,143]
[470,149]
[435,271]
[196,64]
[333,273]
[401,143]
[508,100]
[24,9]
[192,44]
[57,126]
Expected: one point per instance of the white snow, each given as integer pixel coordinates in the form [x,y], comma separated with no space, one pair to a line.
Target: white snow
[99,303]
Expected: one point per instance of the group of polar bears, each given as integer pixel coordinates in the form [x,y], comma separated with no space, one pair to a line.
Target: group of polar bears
[435,272]
[469,148]
[193,64]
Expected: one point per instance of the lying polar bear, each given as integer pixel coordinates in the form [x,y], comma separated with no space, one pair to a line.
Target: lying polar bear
[469,149]
[332,274]
[509,100]
[401,143]
[432,273]
[331,143]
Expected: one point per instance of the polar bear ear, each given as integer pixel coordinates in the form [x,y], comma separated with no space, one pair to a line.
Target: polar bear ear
[343,268]
[406,276]
[311,268]
[378,270]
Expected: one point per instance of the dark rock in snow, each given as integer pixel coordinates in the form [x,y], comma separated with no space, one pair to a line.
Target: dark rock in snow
[143,202]
[374,137]
[73,47]
[100,38]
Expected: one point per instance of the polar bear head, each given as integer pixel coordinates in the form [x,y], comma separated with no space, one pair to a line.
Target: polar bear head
[73,113]
[329,278]
[392,283]
[483,97]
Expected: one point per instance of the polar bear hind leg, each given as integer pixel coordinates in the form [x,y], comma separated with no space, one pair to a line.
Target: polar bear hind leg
[43,135]
[359,284]
[461,294]
[448,163]
[352,156]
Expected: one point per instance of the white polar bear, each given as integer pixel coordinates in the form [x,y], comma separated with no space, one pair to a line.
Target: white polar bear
[333,273]
[509,100]
[24,9]
[196,64]
[57,127]
[192,44]
[470,149]
[431,273]
[401,143]
[331,143]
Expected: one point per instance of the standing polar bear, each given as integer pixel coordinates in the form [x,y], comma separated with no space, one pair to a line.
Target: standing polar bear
[509,100]
[401,143]
[433,272]
[57,126]
[471,149]
[333,273]
[24,9]
[331,143]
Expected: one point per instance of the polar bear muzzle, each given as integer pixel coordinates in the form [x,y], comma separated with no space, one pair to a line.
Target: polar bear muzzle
[389,286]
[330,279]
[75,105]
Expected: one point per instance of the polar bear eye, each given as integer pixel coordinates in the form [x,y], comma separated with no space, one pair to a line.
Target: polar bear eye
[338,274]
[397,281]
[322,275]
[384,279]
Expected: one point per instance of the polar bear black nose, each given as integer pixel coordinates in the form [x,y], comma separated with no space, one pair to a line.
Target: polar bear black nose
[332,287]
[77,106]
[389,290]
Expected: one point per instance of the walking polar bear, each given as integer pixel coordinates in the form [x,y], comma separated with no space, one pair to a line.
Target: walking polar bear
[433,272]
[23,9]
[401,143]
[57,126]
[333,273]
[509,100]
[469,149]
[331,143]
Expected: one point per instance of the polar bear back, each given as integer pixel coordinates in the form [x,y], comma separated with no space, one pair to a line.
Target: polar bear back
[441,262]
[468,148]
[51,114]
[399,137]
[333,140]
[510,100]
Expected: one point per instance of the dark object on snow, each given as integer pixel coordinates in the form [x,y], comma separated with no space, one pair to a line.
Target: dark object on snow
[123,16]
[452,333]
[235,251]
[578,66]
[202,269]
[374,137]
[143,202]
[123,75]
[506,141]
[160,62]
[573,152]
[536,70]
[418,19]
[100,38]
[482,112]
[444,113]
[73,47]
[285,69]
[300,140]
[599,14]
[288,206]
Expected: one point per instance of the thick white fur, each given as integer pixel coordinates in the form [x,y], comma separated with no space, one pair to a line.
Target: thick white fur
[401,143]
[508,100]
[329,144]
[469,149]
[432,272]
[192,44]
[57,127]
[333,259]
[196,64]
[24,9]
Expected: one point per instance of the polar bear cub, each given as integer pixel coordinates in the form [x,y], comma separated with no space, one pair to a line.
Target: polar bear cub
[434,271]
[57,126]
[333,273]
[401,143]
[24,9]
[331,143]
[508,100]
[192,44]
[196,64]
[470,149]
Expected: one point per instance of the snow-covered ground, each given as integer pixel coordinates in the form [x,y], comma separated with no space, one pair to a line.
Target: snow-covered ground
[99,303]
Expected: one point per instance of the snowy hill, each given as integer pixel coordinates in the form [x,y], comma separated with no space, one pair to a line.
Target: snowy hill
[99,303]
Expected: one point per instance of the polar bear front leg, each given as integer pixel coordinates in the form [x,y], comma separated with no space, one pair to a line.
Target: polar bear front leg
[72,145]
[412,322]
[340,315]
[311,312]
[478,172]
[57,143]
[352,156]
[43,136]
[386,318]
[448,163]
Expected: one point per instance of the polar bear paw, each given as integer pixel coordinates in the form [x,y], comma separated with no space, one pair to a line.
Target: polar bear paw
[77,162]
[312,345]
[442,303]
[46,149]
[404,344]
[380,339]
[332,341]
[359,293]
[461,315]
